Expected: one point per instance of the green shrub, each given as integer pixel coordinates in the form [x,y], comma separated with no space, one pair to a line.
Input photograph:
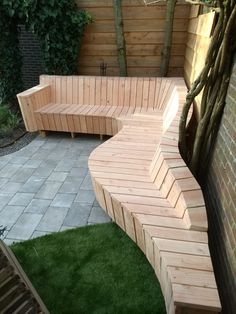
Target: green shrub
[9,121]
[59,26]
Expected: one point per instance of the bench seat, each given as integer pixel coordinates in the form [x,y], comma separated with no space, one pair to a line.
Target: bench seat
[141,181]
[76,118]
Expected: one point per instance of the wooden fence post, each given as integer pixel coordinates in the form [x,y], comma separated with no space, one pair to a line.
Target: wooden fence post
[165,54]
[120,40]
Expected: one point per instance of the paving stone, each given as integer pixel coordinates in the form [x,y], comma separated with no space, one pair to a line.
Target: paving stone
[50,145]
[9,170]
[78,172]
[37,234]
[56,155]
[48,190]
[2,163]
[21,199]
[85,196]
[32,185]
[10,214]
[38,206]
[98,215]
[53,219]
[65,165]
[33,163]
[58,176]
[3,182]
[42,153]
[25,226]
[43,171]
[87,183]
[77,215]
[11,187]
[70,186]
[4,199]
[63,200]
[22,175]
[20,160]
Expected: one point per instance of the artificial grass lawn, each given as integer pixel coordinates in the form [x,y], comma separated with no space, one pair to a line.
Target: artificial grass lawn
[94,269]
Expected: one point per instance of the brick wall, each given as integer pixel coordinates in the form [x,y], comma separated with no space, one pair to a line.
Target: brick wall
[32,65]
[220,194]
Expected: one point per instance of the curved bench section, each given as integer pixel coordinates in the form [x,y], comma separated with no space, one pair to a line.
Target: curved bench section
[141,181]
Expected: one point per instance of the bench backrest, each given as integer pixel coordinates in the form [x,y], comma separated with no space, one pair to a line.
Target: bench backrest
[141,92]
[168,171]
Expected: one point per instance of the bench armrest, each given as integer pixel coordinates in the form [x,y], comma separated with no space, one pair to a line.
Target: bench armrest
[32,100]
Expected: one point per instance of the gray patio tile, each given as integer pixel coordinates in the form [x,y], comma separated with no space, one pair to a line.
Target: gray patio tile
[20,160]
[38,206]
[32,185]
[58,176]
[21,199]
[4,199]
[50,145]
[43,171]
[11,188]
[9,170]
[26,152]
[25,226]
[38,142]
[2,163]
[42,153]
[48,190]
[98,215]
[70,186]
[37,234]
[85,196]
[81,164]
[65,165]
[33,163]
[63,200]
[22,175]
[3,181]
[77,215]
[87,183]
[56,155]
[53,219]
[10,214]
[78,172]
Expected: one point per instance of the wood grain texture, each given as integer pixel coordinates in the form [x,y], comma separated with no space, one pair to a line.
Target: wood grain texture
[200,30]
[144,37]
[153,197]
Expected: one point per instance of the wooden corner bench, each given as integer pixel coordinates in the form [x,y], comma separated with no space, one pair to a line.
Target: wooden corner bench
[138,175]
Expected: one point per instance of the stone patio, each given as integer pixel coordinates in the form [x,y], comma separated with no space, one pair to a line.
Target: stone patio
[46,187]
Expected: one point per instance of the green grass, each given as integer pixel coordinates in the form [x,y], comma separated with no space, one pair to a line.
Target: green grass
[94,269]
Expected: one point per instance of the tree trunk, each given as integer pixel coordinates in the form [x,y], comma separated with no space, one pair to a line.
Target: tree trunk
[165,54]
[120,40]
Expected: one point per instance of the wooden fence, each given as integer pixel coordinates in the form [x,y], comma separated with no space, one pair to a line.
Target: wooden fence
[199,38]
[144,36]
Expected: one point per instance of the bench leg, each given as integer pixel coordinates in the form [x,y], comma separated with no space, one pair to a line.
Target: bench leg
[101,137]
[43,133]
[72,135]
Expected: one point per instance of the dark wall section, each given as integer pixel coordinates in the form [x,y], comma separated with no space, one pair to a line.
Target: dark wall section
[220,193]
[32,64]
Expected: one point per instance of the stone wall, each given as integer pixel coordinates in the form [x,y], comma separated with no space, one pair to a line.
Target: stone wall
[220,194]
[30,50]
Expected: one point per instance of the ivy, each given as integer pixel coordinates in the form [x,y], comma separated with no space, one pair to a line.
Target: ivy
[59,26]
